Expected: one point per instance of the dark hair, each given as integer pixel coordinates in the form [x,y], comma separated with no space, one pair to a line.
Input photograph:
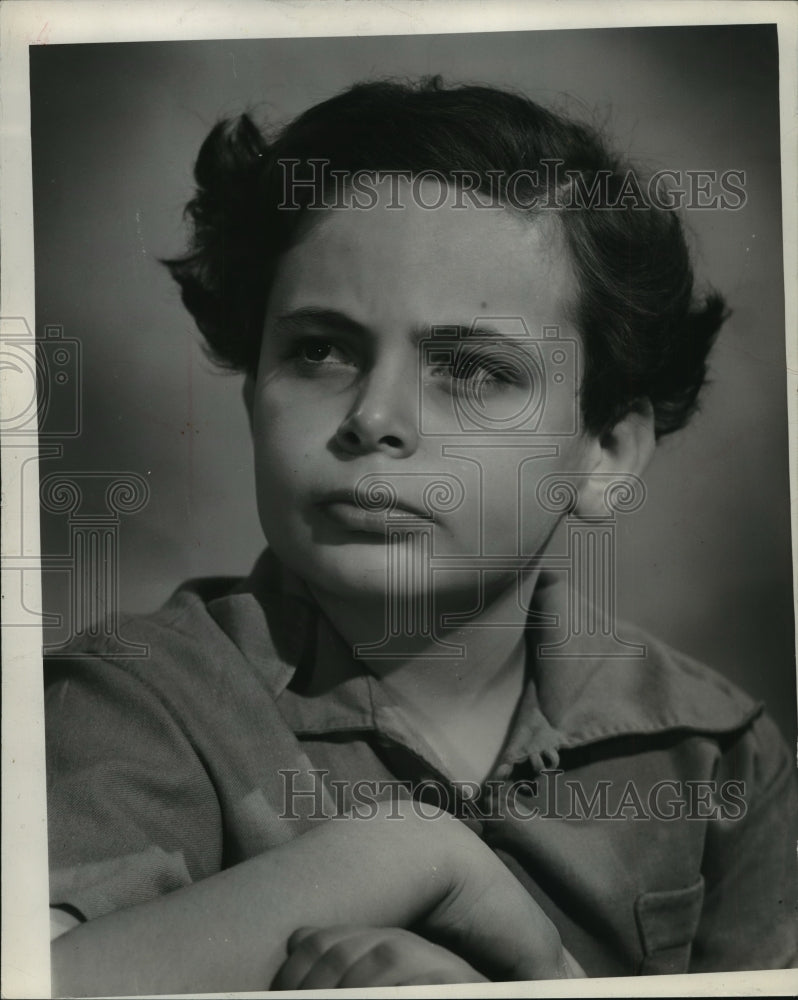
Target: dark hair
[643,334]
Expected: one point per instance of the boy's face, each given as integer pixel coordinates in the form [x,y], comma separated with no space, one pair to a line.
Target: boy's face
[348,389]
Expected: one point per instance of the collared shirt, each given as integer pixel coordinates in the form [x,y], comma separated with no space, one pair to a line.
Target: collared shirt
[646,804]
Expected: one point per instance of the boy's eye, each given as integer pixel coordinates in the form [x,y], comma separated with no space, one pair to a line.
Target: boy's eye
[312,354]
[316,351]
[478,370]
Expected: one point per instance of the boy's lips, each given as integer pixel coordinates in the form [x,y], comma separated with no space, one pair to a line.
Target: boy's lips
[342,507]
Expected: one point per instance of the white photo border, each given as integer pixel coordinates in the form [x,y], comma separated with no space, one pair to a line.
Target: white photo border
[24,919]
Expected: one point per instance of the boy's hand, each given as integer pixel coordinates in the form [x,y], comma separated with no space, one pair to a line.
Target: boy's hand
[352,957]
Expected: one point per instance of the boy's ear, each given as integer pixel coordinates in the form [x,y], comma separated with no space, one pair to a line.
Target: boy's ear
[623,450]
[248,392]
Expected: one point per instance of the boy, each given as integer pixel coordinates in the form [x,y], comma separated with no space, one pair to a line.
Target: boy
[449,305]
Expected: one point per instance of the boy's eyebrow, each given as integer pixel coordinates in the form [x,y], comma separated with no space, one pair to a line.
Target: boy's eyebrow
[339,322]
[460,331]
[330,319]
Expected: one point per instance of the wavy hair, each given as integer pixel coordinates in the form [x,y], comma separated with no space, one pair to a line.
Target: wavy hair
[644,334]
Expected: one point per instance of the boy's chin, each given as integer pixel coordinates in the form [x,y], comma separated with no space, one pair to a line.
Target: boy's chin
[355,572]
[367,575]
[360,576]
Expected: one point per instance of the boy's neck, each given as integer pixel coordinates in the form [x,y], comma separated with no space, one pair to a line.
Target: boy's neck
[457,700]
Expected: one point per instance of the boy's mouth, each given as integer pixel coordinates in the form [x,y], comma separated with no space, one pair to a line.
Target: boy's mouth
[343,510]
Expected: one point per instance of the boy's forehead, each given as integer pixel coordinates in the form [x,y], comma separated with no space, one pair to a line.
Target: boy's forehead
[431,252]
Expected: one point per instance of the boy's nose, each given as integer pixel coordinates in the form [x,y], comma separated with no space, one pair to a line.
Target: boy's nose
[382,418]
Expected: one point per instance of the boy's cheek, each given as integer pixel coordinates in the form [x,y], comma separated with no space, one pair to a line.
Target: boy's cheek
[291,413]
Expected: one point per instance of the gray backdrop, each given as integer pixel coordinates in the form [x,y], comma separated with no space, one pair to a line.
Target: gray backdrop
[705,563]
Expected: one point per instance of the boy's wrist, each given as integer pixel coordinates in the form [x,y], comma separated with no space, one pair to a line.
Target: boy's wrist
[525,945]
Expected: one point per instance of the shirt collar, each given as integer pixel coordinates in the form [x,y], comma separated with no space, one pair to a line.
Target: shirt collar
[569,701]
[601,687]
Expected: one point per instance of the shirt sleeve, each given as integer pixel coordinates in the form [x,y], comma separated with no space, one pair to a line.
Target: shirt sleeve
[132,812]
[749,915]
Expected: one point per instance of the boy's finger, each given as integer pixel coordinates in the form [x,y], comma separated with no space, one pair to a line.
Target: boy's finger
[319,957]
[290,974]
[304,946]
[321,939]
[332,967]
[375,968]
[408,965]
[299,935]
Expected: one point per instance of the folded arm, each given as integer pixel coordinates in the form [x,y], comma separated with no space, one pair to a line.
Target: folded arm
[230,931]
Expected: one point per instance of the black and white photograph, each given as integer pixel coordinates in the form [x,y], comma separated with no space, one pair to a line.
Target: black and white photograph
[398,581]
